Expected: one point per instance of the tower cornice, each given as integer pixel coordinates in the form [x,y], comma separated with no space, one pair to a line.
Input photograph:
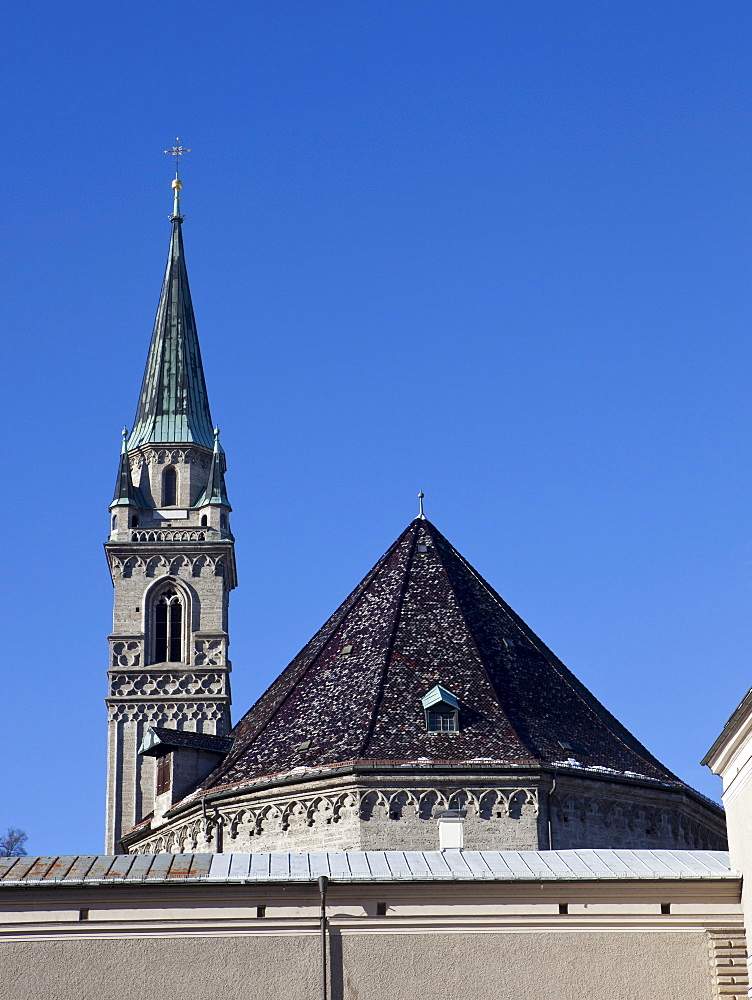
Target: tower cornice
[142,553]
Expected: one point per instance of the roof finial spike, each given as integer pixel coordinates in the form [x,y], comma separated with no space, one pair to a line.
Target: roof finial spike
[177,185]
[124,445]
[421,515]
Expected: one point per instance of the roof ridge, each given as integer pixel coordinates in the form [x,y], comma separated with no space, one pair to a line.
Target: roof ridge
[392,638]
[330,625]
[471,633]
[583,693]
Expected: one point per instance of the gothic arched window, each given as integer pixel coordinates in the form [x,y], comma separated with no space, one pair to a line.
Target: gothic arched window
[169,487]
[168,627]
[204,521]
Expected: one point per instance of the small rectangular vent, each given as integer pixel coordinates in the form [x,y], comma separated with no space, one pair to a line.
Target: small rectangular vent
[422,548]
[347,650]
[305,745]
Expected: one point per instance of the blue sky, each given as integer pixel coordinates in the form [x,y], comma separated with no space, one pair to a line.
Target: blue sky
[496,251]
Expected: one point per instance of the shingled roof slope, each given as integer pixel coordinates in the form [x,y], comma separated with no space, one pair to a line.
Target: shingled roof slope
[423,616]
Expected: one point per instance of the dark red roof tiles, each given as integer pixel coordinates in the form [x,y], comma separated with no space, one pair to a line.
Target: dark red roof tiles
[424,616]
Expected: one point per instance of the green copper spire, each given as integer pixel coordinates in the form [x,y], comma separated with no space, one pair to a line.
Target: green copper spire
[126,494]
[216,491]
[174,406]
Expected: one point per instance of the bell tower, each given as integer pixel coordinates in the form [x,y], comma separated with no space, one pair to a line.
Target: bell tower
[171,555]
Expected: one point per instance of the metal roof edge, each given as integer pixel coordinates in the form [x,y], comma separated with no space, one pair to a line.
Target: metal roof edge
[367,867]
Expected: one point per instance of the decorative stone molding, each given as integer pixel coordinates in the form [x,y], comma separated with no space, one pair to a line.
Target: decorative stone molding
[578,818]
[126,653]
[282,817]
[484,803]
[199,833]
[210,652]
[165,684]
[728,961]
[169,535]
[180,715]
[158,565]
[166,456]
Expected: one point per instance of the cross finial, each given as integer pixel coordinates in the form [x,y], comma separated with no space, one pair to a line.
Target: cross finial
[177,151]
[177,185]
[421,515]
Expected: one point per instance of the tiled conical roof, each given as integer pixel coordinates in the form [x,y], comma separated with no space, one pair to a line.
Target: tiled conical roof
[174,405]
[423,616]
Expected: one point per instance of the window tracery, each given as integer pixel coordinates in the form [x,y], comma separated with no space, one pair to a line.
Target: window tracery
[168,627]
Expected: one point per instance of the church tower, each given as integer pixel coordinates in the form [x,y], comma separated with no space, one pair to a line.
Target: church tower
[171,556]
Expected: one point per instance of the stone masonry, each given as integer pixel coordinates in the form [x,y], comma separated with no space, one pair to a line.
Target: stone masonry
[191,550]
[384,811]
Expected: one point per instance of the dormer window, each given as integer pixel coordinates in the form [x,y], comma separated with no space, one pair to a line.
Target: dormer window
[441,722]
[442,711]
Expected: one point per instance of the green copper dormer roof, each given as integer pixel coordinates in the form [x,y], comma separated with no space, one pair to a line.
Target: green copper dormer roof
[174,406]
[126,494]
[216,491]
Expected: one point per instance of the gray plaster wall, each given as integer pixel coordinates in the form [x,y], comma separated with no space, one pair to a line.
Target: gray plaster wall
[599,965]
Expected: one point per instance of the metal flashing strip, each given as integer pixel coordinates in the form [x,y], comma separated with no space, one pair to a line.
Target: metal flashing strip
[367,866]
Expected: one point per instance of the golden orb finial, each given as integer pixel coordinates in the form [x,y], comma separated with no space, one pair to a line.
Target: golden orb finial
[177,185]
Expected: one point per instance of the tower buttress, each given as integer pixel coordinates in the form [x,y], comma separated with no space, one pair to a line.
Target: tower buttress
[171,555]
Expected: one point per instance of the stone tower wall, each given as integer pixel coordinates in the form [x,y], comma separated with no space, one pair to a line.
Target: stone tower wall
[191,550]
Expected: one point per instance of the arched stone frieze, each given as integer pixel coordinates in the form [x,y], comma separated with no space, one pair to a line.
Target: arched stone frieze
[272,824]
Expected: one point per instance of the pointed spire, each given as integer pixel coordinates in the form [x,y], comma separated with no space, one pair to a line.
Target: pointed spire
[216,491]
[174,405]
[126,494]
